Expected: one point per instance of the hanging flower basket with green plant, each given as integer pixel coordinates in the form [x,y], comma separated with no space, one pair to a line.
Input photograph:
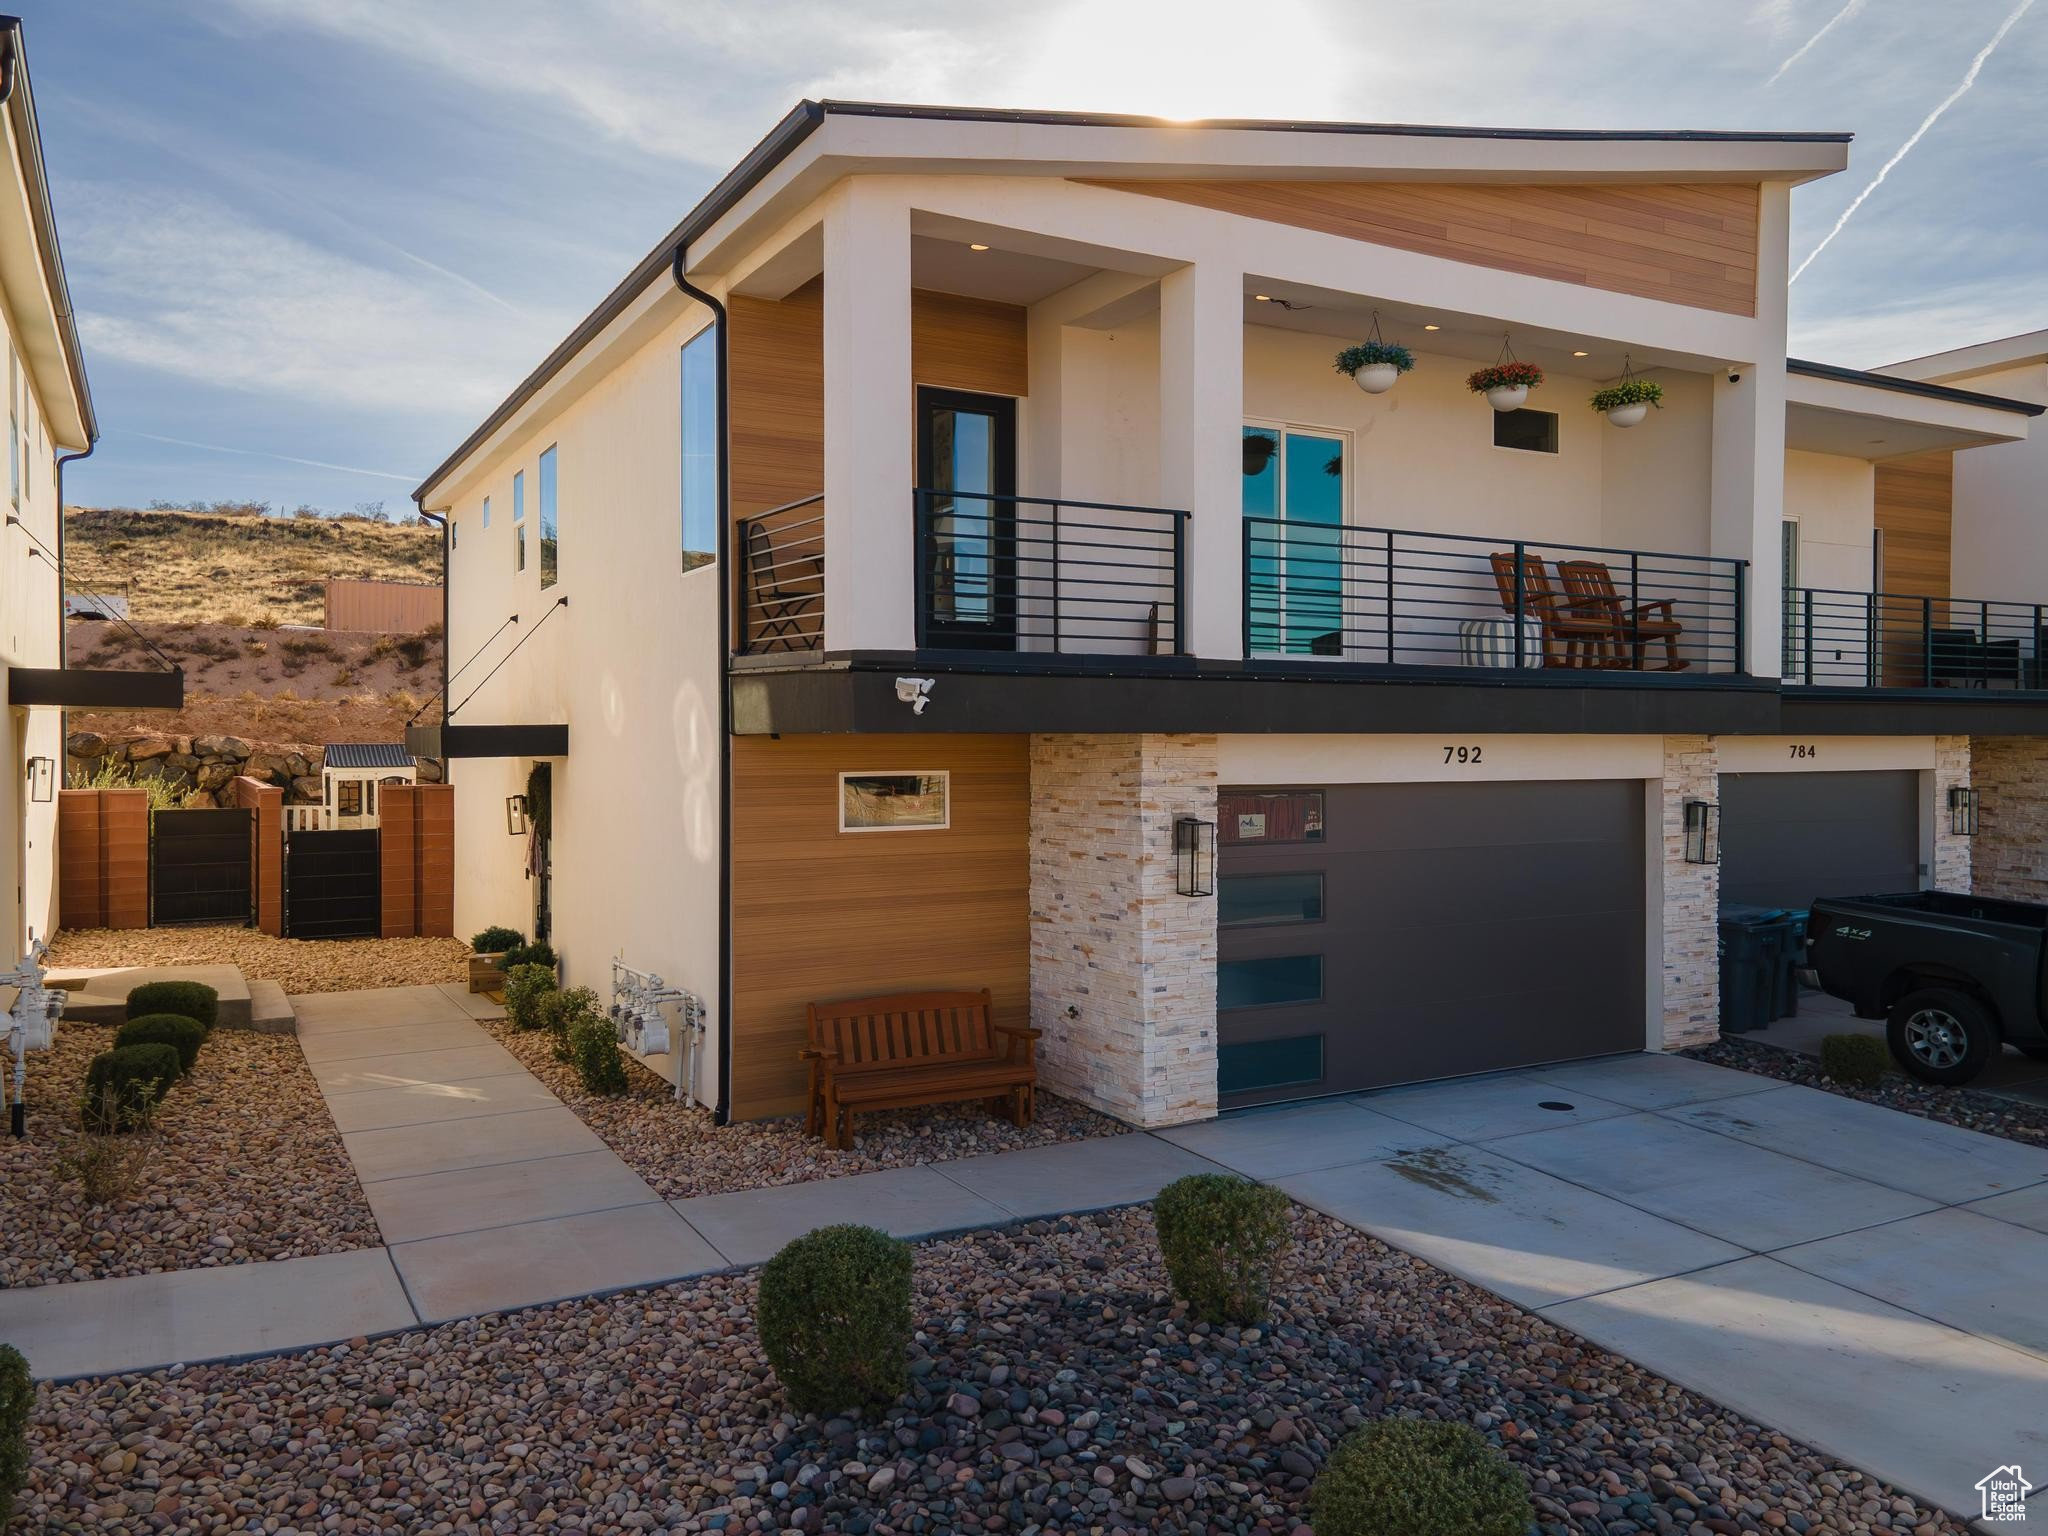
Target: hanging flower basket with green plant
[1374,364]
[1627,402]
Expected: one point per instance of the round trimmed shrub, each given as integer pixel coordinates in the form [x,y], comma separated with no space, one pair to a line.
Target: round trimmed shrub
[1859,1060]
[528,954]
[1221,1237]
[123,1085]
[593,1050]
[1421,1478]
[17,1405]
[527,987]
[181,1034]
[496,939]
[835,1318]
[187,999]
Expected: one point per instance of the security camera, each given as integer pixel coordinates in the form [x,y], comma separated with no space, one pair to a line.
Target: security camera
[1734,375]
[914,691]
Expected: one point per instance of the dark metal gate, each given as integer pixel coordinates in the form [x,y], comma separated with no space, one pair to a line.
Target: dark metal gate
[200,864]
[331,888]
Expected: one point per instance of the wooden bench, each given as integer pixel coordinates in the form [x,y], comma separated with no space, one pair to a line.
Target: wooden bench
[911,1049]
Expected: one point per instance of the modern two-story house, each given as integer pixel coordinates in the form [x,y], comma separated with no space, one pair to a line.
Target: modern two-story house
[953,559]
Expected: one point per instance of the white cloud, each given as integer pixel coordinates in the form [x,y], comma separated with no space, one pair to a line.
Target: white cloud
[186,286]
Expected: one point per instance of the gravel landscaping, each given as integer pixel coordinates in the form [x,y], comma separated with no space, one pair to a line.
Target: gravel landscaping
[681,1153]
[1951,1106]
[1055,1389]
[297,965]
[245,1165]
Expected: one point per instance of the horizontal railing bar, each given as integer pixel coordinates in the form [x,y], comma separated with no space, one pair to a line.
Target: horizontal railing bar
[1505,545]
[787,506]
[1042,501]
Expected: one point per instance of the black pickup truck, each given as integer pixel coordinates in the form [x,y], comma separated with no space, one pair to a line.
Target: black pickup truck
[1951,975]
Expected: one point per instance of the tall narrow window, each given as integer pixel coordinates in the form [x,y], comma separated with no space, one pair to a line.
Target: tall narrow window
[13,427]
[700,449]
[1294,497]
[519,497]
[487,511]
[550,532]
[519,546]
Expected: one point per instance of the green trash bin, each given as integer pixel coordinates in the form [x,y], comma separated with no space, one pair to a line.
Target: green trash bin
[1748,975]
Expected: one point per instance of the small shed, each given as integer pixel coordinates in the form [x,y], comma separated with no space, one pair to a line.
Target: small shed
[350,774]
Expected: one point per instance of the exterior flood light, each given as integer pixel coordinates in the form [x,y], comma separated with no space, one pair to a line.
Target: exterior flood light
[1702,832]
[1962,811]
[516,822]
[1194,856]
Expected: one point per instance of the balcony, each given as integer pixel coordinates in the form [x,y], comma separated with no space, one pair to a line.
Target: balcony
[1892,640]
[1404,598]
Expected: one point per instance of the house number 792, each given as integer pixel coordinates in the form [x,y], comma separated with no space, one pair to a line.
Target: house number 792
[1462,754]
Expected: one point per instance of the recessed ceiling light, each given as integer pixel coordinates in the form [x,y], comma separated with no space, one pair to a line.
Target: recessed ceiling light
[1581,354]
[1432,327]
[1263,298]
[973,247]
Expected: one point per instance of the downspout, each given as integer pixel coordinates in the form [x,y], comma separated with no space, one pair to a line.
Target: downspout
[63,631]
[722,1112]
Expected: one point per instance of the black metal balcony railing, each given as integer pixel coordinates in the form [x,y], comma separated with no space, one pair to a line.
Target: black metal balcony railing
[1402,597]
[1027,573]
[1846,639]
[780,575]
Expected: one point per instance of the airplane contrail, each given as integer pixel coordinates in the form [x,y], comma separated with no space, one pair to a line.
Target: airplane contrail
[1969,79]
[285,458]
[1833,22]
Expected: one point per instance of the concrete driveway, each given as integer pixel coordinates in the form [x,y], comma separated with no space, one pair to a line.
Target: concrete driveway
[1872,1283]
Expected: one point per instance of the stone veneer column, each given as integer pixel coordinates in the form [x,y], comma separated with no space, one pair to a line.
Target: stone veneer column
[1692,899]
[1952,854]
[2010,860]
[1123,968]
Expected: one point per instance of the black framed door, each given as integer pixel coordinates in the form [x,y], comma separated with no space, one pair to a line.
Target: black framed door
[967,561]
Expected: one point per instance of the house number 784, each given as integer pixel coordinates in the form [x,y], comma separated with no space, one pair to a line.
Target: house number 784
[1465,755]
[1803,749]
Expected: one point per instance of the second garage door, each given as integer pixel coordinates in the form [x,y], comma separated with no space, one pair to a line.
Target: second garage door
[1788,838]
[1391,933]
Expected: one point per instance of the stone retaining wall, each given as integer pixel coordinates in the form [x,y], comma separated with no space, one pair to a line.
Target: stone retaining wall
[204,766]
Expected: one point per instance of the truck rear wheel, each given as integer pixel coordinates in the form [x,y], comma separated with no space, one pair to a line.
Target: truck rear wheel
[1941,1036]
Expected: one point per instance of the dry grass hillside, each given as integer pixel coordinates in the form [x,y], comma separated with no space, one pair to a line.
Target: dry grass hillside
[219,568]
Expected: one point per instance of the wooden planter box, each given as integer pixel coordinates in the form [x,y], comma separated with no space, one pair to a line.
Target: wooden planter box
[486,973]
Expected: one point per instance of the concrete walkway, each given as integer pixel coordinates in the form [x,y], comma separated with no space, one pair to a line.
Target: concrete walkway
[1862,1280]
[491,1194]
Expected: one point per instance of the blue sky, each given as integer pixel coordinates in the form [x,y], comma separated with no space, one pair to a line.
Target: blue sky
[338,231]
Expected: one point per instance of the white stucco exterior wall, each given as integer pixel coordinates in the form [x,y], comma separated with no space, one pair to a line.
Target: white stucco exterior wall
[1999,536]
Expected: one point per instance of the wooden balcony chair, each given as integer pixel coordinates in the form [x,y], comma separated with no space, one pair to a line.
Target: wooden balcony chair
[777,600]
[1571,637]
[1590,585]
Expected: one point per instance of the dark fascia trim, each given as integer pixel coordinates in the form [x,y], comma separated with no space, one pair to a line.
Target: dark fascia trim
[1914,712]
[83,688]
[1910,386]
[452,741]
[45,218]
[801,122]
[1284,125]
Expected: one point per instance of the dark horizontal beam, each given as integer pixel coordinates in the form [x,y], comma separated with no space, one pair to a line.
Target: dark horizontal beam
[451,741]
[83,688]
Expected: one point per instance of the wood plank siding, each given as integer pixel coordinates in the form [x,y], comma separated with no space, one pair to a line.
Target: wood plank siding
[1692,243]
[819,914]
[1912,506]
[776,351]
[972,344]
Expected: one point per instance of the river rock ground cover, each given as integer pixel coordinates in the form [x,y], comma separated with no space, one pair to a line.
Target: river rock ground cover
[244,1163]
[297,965]
[1055,1388]
[681,1152]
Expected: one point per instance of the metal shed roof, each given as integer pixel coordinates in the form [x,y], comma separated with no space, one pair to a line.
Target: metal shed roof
[368,754]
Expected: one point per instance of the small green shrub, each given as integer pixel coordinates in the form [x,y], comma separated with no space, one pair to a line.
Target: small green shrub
[17,1406]
[181,1034]
[187,999]
[834,1317]
[1221,1237]
[1420,1478]
[1859,1060]
[497,940]
[594,1053]
[527,987]
[529,954]
[123,1085]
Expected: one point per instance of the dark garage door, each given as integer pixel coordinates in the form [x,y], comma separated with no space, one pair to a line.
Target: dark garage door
[1395,933]
[1787,838]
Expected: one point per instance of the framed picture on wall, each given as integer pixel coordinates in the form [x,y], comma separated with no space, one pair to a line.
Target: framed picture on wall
[894,802]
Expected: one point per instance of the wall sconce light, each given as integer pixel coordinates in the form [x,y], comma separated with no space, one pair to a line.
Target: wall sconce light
[1702,832]
[1962,810]
[515,816]
[42,779]
[1194,856]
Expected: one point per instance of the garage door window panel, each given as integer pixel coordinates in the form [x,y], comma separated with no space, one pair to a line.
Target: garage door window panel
[1256,1065]
[1264,900]
[1271,981]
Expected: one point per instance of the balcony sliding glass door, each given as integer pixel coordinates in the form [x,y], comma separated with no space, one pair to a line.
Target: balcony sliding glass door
[1294,599]
[967,467]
